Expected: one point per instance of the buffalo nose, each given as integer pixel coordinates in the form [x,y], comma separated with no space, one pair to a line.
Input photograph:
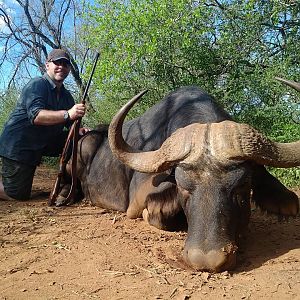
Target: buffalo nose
[213,260]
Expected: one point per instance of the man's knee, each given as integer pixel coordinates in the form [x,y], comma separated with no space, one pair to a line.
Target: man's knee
[17,179]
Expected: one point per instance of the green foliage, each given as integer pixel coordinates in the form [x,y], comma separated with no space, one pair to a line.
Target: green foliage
[7,104]
[289,177]
[52,162]
[232,49]
[149,44]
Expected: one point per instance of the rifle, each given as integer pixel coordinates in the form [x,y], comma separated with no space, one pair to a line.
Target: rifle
[72,136]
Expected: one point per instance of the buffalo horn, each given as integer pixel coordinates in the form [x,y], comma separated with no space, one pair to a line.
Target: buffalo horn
[293,84]
[225,141]
[242,142]
[147,162]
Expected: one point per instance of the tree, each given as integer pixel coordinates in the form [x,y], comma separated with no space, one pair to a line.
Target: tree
[32,28]
[233,49]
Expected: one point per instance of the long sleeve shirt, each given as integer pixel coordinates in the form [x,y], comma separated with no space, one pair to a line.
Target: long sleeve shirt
[22,140]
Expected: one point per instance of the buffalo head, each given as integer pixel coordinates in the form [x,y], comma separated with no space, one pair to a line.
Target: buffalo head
[217,167]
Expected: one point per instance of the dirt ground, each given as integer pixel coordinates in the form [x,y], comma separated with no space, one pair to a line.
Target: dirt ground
[84,252]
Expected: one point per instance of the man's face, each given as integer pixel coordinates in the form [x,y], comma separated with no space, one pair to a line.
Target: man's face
[58,70]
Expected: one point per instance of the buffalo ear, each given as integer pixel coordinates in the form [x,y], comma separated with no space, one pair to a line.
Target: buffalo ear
[167,176]
[271,195]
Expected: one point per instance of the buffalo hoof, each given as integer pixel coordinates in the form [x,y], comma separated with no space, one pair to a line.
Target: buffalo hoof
[145,215]
[63,201]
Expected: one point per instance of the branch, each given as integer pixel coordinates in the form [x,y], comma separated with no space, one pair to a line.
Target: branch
[16,70]
[62,19]
[32,25]
[219,5]
[46,13]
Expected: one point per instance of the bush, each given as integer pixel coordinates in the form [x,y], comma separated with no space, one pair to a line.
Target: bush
[7,104]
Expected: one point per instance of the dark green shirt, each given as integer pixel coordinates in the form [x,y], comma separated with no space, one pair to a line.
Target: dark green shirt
[25,142]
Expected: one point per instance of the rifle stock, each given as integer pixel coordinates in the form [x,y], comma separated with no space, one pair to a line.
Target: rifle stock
[73,134]
[61,170]
[55,188]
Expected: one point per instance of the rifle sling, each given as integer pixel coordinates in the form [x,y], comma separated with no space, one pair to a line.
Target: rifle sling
[70,198]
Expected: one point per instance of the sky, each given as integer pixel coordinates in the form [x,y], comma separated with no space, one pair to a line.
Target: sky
[7,68]
[10,7]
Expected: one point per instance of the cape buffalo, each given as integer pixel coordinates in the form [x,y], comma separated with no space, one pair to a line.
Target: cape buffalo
[193,166]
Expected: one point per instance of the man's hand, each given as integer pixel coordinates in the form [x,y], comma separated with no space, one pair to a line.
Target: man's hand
[83,130]
[77,111]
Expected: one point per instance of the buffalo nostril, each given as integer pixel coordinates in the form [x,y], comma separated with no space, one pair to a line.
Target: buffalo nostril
[214,260]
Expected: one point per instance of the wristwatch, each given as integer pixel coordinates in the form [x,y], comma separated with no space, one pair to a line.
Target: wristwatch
[66,116]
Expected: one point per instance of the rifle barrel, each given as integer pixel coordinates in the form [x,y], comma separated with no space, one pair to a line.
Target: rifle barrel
[90,79]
